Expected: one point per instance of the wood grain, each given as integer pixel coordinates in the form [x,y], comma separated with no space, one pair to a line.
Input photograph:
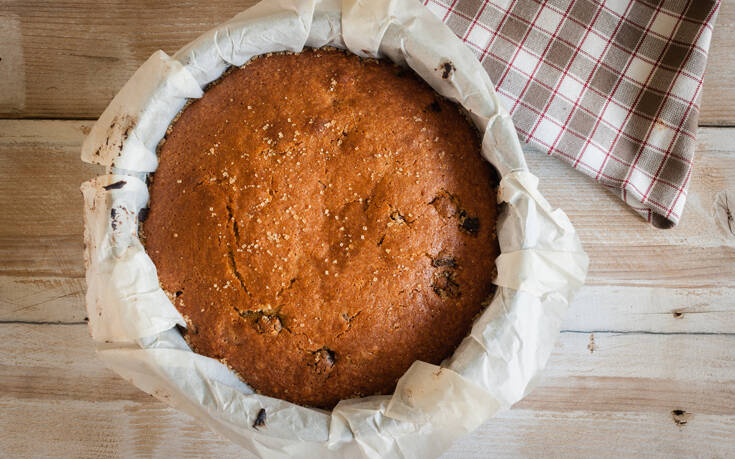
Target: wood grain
[41,197]
[581,433]
[652,309]
[67,59]
[627,384]
[78,54]
[41,273]
[718,95]
[42,299]
[83,429]
[150,429]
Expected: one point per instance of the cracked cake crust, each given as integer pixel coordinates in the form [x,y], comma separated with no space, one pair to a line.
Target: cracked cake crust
[324,221]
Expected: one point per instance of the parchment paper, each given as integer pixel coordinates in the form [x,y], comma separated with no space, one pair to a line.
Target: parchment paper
[133,322]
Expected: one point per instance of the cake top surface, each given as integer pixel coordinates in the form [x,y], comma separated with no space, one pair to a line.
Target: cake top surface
[322,221]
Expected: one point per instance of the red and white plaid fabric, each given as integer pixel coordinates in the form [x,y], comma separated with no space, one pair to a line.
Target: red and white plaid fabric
[610,87]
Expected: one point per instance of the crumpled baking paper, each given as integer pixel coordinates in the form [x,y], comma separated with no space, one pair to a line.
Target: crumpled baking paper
[133,322]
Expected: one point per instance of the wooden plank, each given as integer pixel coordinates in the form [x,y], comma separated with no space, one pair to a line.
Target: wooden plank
[12,66]
[608,372]
[41,277]
[524,433]
[638,372]
[718,93]
[42,269]
[617,393]
[39,196]
[653,309]
[150,429]
[76,55]
[42,299]
[82,429]
[55,67]
[597,307]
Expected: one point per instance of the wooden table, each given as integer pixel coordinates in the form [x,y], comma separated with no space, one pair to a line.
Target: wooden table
[645,364]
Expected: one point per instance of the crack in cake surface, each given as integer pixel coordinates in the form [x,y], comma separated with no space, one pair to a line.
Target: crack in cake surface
[231,253]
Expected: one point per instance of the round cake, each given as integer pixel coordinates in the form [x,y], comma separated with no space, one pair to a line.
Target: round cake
[322,221]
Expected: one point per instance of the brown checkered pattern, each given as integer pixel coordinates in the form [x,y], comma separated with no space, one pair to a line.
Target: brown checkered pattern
[611,87]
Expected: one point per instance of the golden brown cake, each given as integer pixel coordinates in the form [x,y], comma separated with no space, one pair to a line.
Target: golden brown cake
[322,221]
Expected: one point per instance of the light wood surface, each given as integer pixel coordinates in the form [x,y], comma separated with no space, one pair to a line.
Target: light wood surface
[67,59]
[645,364]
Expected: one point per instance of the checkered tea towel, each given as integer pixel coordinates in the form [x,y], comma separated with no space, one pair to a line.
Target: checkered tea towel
[611,87]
